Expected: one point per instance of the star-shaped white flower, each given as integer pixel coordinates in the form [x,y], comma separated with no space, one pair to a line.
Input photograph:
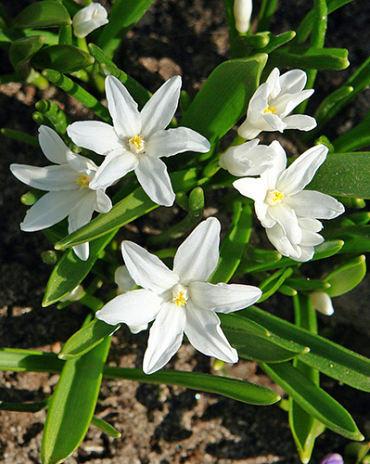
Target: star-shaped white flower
[88,19]
[137,140]
[180,301]
[288,212]
[67,183]
[247,159]
[272,103]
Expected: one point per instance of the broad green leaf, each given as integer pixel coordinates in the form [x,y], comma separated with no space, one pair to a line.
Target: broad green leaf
[22,50]
[356,238]
[70,270]
[63,58]
[43,14]
[232,388]
[312,58]
[224,97]
[346,277]
[72,405]
[123,16]
[344,175]
[233,244]
[86,339]
[133,206]
[313,399]
[328,357]
[233,322]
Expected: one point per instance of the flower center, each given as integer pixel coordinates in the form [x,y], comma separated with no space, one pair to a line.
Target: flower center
[84,180]
[269,109]
[180,295]
[274,197]
[136,144]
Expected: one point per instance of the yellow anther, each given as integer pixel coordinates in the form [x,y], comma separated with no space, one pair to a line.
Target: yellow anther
[136,144]
[274,197]
[179,299]
[84,180]
[269,109]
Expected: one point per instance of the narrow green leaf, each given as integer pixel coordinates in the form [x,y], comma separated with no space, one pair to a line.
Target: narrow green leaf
[70,270]
[346,277]
[23,407]
[273,283]
[86,339]
[133,206]
[234,82]
[22,50]
[307,285]
[266,13]
[312,58]
[356,138]
[20,136]
[63,58]
[72,405]
[54,114]
[232,247]
[233,322]
[328,107]
[19,360]
[344,175]
[232,388]
[278,41]
[105,427]
[313,399]
[43,14]
[328,357]
[356,238]
[78,92]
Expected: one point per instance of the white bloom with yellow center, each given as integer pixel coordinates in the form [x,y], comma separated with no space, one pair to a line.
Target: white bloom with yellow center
[289,213]
[88,19]
[138,139]
[179,301]
[270,107]
[68,186]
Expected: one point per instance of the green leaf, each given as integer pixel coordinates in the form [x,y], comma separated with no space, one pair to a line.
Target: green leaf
[328,357]
[232,388]
[273,283]
[278,41]
[356,238]
[23,407]
[314,400]
[70,270]
[86,339]
[29,361]
[344,175]
[133,206]
[354,139]
[329,106]
[233,244]
[72,405]
[307,285]
[63,58]
[312,58]
[54,114]
[22,50]
[346,277]
[123,16]
[43,14]
[234,83]
[233,322]
[105,427]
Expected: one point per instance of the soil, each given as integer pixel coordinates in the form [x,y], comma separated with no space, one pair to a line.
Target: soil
[160,424]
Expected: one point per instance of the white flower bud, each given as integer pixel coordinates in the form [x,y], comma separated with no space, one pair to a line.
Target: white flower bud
[322,302]
[242,15]
[88,19]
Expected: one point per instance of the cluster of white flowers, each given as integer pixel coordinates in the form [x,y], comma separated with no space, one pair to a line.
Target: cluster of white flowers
[287,212]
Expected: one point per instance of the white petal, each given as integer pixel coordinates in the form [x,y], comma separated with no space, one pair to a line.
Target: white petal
[137,328]
[293,81]
[242,14]
[312,204]
[205,334]
[286,217]
[134,308]
[97,136]
[123,109]
[301,122]
[278,165]
[52,145]
[146,269]
[81,164]
[251,188]
[165,337]
[123,279]
[302,170]
[278,238]
[223,298]
[274,122]
[159,110]
[114,167]
[82,251]
[285,104]
[81,213]
[50,178]
[197,256]
[274,83]
[248,131]
[50,209]
[322,302]
[88,19]
[103,203]
[153,177]
[172,141]
[306,253]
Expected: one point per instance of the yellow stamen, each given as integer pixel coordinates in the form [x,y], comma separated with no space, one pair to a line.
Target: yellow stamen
[274,197]
[180,299]
[136,144]
[269,109]
[84,180]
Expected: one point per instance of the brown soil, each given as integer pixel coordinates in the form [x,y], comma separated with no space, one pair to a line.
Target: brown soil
[159,425]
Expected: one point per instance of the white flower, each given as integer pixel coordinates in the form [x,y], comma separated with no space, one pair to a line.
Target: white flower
[180,301]
[272,103]
[67,184]
[322,302]
[137,140]
[242,14]
[288,212]
[247,159]
[88,19]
